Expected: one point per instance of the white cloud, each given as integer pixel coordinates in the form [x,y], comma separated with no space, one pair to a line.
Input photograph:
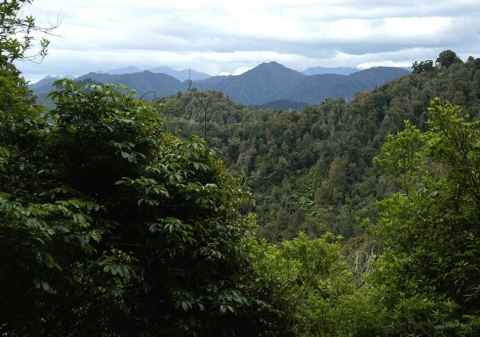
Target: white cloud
[230,36]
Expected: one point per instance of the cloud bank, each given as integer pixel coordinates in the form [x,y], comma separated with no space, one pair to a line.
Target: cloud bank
[230,36]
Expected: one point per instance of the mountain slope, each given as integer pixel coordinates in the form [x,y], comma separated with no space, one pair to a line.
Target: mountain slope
[146,84]
[311,170]
[265,83]
[123,71]
[181,75]
[326,70]
[44,86]
[378,76]
[271,82]
[315,89]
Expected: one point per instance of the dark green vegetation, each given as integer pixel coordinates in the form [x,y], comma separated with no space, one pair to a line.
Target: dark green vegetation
[111,225]
[264,85]
[312,169]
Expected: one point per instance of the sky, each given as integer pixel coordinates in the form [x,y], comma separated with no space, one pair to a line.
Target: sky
[232,36]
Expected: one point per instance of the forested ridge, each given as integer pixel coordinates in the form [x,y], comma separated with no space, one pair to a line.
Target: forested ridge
[195,216]
[312,170]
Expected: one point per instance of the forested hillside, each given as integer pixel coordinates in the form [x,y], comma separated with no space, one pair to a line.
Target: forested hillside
[312,170]
[122,217]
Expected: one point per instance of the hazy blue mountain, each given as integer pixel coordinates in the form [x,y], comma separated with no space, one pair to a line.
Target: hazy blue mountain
[269,84]
[181,75]
[315,89]
[124,70]
[265,83]
[147,84]
[44,86]
[326,70]
[378,76]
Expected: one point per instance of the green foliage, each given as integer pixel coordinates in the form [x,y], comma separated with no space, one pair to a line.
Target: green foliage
[430,235]
[310,281]
[113,226]
[312,170]
[16,33]
[447,58]
[424,282]
[422,66]
[401,157]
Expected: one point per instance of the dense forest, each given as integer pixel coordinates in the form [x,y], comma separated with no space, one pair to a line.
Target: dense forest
[195,216]
[312,170]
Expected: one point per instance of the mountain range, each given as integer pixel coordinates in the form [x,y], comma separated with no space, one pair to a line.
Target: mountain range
[194,75]
[181,75]
[328,70]
[268,84]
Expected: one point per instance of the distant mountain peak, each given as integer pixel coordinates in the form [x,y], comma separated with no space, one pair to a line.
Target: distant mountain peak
[124,70]
[180,75]
[273,63]
[272,67]
[268,83]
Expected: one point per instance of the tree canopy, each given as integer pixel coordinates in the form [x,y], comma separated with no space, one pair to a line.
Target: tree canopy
[110,224]
[429,230]
[16,33]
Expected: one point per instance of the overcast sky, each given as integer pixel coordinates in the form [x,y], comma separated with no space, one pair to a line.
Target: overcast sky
[231,36]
